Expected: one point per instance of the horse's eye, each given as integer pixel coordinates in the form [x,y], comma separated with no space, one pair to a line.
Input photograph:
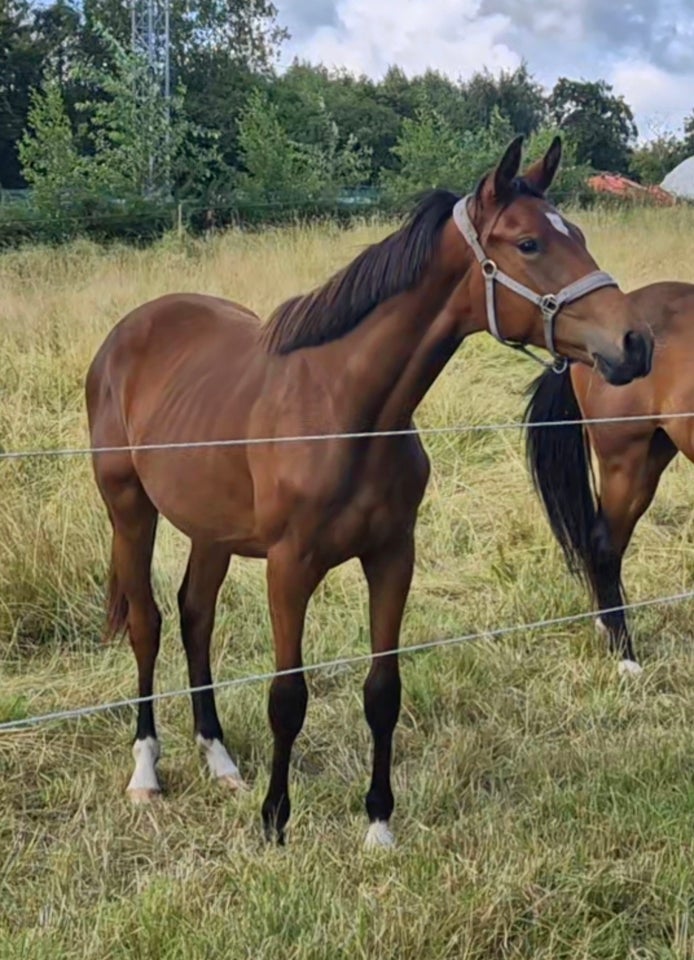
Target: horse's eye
[528,246]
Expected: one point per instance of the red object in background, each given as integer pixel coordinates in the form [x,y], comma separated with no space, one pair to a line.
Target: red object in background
[630,190]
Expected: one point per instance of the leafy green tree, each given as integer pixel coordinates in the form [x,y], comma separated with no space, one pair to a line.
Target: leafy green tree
[515,94]
[433,154]
[688,140]
[246,30]
[142,145]
[277,167]
[22,57]
[601,124]
[305,92]
[50,162]
[651,161]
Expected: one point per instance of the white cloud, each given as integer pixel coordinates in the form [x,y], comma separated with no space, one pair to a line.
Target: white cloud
[451,36]
[644,48]
[659,100]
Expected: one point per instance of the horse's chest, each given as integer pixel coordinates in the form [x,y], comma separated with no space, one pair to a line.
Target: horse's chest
[378,506]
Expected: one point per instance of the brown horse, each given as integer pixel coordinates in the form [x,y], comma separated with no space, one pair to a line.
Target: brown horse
[594,524]
[357,354]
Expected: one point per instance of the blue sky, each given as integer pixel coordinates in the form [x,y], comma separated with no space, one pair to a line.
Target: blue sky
[645,48]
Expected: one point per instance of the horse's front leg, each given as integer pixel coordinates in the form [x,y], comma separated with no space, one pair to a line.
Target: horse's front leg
[291,581]
[389,575]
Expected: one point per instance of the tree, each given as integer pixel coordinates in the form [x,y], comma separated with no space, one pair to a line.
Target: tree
[515,94]
[50,162]
[433,154]
[22,54]
[278,168]
[142,144]
[601,124]
[246,30]
[653,160]
[688,141]
[303,94]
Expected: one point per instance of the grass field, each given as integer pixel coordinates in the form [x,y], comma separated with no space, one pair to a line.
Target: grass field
[544,808]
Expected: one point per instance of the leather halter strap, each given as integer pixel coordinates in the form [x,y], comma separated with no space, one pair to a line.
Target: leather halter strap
[549,303]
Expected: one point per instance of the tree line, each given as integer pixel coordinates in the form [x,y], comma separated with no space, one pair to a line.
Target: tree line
[85,126]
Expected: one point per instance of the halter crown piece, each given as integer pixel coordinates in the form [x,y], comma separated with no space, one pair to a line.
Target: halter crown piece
[549,303]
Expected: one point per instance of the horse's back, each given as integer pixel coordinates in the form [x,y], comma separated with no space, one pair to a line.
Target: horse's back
[174,340]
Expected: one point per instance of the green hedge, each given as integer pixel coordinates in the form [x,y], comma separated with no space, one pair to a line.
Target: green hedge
[142,221]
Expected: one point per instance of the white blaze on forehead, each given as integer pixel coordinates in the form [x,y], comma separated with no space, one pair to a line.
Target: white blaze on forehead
[558,223]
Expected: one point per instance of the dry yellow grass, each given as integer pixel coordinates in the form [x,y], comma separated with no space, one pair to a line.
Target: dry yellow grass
[544,809]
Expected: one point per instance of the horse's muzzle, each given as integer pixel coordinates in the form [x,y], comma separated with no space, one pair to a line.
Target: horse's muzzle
[636,360]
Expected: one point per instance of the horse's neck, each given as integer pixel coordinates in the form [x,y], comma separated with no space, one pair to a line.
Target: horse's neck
[399,352]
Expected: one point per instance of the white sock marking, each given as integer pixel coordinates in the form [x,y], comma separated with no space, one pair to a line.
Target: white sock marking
[558,223]
[219,762]
[146,753]
[629,668]
[378,836]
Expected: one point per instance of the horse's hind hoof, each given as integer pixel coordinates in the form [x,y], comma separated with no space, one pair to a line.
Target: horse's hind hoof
[235,784]
[379,836]
[141,797]
[629,668]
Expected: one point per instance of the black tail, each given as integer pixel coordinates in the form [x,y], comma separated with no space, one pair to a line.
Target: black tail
[559,463]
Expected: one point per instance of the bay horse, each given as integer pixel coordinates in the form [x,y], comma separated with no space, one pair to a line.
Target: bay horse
[356,354]
[593,520]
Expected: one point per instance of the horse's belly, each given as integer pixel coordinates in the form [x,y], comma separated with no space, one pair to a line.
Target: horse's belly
[204,495]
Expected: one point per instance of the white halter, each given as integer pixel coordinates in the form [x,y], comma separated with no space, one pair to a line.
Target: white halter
[549,303]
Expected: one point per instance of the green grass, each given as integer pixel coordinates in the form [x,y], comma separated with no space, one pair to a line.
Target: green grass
[544,808]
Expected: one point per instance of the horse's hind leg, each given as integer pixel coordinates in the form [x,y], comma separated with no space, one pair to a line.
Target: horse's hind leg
[134,520]
[627,487]
[207,567]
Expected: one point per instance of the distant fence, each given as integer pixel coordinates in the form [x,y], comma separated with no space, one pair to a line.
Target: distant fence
[140,221]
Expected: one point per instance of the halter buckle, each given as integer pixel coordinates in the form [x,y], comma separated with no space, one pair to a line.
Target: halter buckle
[549,305]
[489,268]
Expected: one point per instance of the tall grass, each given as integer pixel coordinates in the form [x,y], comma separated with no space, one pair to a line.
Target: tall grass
[544,808]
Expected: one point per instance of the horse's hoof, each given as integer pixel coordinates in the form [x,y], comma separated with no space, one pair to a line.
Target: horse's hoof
[140,796]
[379,837]
[629,668]
[235,784]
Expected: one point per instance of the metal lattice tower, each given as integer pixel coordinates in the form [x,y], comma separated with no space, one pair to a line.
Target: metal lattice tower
[151,40]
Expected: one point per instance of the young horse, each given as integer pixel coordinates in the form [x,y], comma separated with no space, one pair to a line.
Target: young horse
[594,529]
[357,354]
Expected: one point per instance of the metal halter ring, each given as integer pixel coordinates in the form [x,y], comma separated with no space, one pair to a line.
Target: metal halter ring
[549,305]
[489,269]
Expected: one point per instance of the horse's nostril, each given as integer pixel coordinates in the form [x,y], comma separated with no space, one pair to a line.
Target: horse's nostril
[638,350]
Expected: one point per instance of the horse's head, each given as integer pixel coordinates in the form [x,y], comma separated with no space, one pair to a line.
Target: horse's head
[537,283]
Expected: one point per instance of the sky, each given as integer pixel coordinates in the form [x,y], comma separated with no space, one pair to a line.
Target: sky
[644,48]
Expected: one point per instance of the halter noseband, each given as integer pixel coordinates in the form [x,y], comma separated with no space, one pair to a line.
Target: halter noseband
[549,303]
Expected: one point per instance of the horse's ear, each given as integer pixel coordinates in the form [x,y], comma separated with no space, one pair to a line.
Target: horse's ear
[498,184]
[541,174]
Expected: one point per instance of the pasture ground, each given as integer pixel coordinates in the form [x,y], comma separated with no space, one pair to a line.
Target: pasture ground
[544,807]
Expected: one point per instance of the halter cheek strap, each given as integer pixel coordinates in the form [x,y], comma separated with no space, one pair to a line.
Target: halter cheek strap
[549,303]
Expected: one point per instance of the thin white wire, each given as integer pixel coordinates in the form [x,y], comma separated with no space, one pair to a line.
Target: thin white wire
[12,726]
[365,434]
